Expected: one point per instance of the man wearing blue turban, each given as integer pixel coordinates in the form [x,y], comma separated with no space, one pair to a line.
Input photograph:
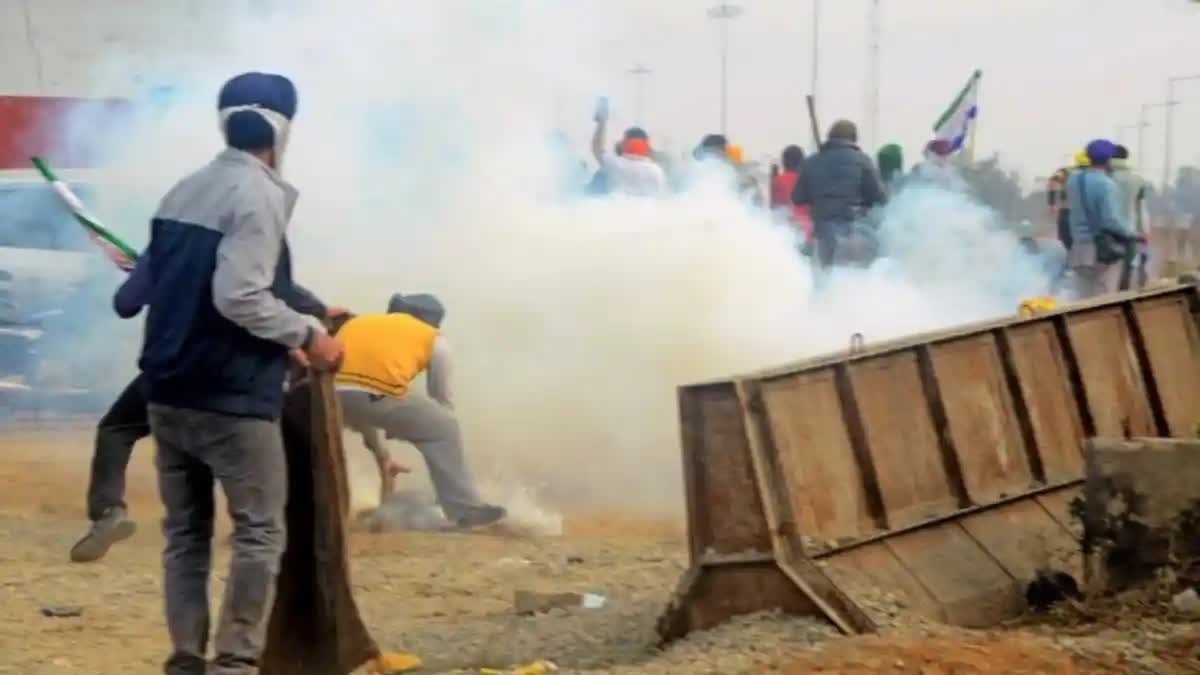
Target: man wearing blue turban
[218,336]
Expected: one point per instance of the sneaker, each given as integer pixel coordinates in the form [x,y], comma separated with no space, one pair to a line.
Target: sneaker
[112,527]
[482,516]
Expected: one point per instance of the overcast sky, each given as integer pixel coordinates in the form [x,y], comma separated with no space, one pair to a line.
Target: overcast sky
[1056,73]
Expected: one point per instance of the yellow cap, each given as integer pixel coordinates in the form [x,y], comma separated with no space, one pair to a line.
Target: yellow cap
[1081,158]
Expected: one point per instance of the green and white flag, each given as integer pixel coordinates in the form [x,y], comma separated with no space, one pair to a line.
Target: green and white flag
[114,249]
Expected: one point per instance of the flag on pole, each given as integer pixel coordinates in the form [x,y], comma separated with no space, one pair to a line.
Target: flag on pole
[122,255]
[958,122]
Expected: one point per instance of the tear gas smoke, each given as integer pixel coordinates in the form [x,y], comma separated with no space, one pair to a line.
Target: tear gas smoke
[424,156]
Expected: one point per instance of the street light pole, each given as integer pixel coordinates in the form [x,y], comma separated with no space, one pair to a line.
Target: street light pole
[638,71]
[724,12]
[1122,128]
[1168,134]
[816,46]
[1142,124]
[872,121]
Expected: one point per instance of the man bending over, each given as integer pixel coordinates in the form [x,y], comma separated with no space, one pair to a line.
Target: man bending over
[384,353]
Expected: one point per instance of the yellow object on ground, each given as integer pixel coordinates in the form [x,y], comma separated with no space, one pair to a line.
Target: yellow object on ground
[389,663]
[385,352]
[537,668]
[1035,306]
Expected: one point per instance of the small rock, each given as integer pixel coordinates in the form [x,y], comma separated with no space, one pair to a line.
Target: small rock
[574,560]
[1187,602]
[532,602]
[62,611]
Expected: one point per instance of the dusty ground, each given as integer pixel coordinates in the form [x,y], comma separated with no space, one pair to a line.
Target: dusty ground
[449,598]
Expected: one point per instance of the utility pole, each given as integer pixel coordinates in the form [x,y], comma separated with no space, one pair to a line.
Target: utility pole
[724,12]
[638,71]
[1122,128]
[1168,135]
[1142,124]
[872,117]
[816,46]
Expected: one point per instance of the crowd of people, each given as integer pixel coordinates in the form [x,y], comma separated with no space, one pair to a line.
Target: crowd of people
[1100,204]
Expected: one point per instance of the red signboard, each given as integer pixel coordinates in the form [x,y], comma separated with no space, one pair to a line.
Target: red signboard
[72,133]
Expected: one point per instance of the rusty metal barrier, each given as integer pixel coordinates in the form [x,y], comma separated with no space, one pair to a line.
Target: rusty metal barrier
[939,467]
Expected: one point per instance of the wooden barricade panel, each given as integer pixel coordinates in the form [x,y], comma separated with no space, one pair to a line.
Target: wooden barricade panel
[941,468]
[980,414]
[1173,350]
[1111,376]
[809,429]
[1045,384]
[963,578]
[901,439]
[873,568]
[725,511]
[1023,537]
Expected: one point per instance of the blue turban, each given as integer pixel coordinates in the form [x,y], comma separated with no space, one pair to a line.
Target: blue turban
[1100,151]
[256,109]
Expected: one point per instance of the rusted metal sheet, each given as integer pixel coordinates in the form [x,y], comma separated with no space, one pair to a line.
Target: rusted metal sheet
[940,466]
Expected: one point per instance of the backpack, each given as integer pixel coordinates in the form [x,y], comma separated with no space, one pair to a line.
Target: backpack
[1109,247]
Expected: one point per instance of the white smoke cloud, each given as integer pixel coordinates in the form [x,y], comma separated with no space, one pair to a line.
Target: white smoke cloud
[422,153]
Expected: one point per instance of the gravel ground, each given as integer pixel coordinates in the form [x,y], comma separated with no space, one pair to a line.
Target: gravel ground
[449,598]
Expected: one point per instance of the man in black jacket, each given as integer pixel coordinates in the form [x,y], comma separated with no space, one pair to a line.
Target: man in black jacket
[839,184]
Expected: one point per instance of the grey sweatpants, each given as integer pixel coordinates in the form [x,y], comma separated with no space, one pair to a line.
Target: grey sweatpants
[431,427]
[246,455]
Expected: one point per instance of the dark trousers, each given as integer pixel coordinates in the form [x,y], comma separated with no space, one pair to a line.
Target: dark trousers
[841,244]
[1063,221]
[124,424]
[195,450]
[1133,268]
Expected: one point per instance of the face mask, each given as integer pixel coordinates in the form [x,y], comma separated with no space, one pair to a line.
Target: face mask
[279,124]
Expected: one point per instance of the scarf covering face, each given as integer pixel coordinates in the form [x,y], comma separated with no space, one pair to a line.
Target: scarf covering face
[636,147]
[255,110]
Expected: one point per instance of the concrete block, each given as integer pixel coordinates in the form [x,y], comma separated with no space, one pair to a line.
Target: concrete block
[1142,505]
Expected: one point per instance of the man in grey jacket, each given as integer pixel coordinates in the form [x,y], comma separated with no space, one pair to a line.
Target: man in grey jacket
[218,335]
[839,184]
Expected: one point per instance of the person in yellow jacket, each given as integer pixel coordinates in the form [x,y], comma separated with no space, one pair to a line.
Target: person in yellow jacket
[384,353]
